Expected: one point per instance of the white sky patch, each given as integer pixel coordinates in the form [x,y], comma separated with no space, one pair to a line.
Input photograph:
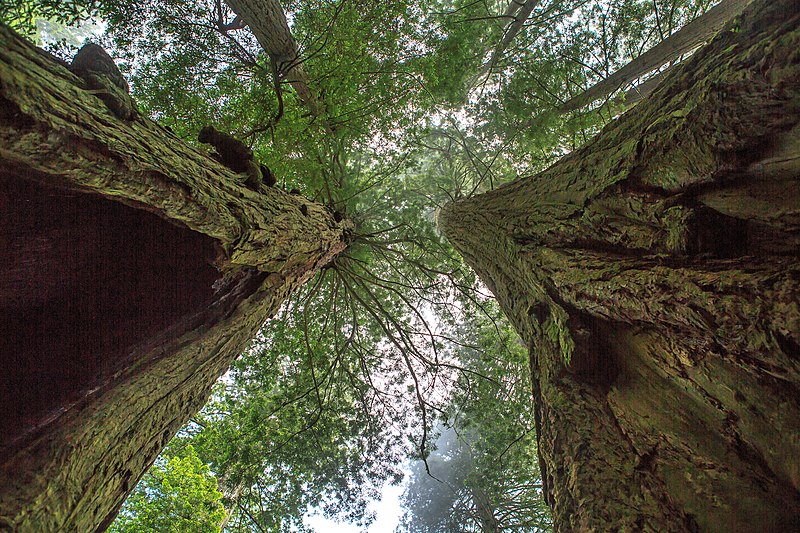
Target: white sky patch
[51,32]
[387,511]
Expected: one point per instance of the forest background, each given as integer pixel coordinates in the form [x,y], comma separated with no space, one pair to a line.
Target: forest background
[395,352]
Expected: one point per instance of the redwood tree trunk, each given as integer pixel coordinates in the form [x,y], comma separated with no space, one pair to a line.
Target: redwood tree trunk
[654,275]
[133,269]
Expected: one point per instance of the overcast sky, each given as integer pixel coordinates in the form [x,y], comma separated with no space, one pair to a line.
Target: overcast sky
[387,509]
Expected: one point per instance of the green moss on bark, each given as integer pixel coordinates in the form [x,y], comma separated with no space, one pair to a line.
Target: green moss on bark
[683,318]
[72,470]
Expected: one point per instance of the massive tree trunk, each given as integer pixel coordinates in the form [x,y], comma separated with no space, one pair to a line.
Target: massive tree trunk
[654,275]
[133,269]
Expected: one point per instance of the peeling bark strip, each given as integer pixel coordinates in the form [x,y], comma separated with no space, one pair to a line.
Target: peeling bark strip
[655,276]
[134,268]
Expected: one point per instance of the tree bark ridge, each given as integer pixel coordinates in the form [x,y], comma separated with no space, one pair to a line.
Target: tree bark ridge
[237,256]
[659,301]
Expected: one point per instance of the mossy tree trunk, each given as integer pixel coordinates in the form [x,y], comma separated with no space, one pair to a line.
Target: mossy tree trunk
[654,275]
[133,269]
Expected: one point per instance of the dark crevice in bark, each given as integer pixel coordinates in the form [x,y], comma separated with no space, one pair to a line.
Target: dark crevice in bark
[715,235]
[775,377]
[749,455]
[594,361]
[788,346]
[10,113]
[547,482]
[84,280]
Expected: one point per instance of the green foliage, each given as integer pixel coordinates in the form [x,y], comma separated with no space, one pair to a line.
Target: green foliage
[177,495]
[394,338]
[22,15]
[291,430]
[483,475]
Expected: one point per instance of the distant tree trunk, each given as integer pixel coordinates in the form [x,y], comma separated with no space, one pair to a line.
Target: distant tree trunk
[642,90]
[266,20]
[133,269]
[230,498]
[682,41]
[519,13]
[485,511]
[654,275]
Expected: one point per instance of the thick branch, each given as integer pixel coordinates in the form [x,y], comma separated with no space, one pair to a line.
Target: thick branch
[268,23]
[685,40]
[511,32]
[520,14]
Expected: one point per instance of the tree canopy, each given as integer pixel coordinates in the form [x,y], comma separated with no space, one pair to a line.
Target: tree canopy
[394,352]
[178,494]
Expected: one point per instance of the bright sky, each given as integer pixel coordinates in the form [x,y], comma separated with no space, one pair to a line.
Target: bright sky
[387,509]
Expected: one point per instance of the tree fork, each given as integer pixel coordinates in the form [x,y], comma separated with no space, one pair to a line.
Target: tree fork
[653,275]
[133,269]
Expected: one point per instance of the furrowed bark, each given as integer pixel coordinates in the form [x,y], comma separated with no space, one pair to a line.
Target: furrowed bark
[133,269]
[654,275]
